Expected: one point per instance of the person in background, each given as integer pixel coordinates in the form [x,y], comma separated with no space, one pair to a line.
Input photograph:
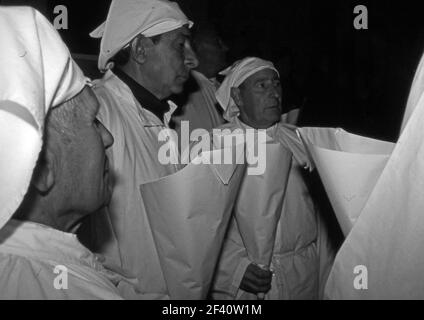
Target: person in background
[199,105]
[251,97]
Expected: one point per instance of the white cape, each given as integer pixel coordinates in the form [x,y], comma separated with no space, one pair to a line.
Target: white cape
[383,255]
[342,157]
[189,223]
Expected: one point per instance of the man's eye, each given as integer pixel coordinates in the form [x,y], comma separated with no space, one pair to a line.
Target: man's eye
[96,122]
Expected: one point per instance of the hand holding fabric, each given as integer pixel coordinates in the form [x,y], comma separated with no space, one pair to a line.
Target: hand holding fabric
[256,280]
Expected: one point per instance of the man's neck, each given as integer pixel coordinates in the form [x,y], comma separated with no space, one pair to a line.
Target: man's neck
[254,124]
[34,211]
[138,76]
[144,97]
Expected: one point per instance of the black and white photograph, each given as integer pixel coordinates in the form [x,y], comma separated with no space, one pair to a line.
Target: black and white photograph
[211,154]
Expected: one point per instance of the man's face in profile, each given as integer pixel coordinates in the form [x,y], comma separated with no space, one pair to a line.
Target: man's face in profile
[84,166]
[260,98]
[170,62]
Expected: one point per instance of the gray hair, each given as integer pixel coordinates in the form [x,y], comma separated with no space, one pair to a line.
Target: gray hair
[61,120]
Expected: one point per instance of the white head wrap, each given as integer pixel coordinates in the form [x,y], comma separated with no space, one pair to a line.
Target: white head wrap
[37,73]
[235,76]
[128,18]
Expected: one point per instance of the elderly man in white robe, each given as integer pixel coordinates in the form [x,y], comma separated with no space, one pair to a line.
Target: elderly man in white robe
[251,96]
[53,167]
[146,53]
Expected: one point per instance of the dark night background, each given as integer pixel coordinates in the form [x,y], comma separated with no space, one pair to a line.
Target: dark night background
[355,79]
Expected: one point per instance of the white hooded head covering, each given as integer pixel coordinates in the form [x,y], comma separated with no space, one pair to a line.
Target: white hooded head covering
[234,77]
[128,18]
[36,73]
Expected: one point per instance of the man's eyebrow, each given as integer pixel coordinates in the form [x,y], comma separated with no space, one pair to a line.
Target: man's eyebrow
[184,36]
[261,79]
[179,37]
[186,33]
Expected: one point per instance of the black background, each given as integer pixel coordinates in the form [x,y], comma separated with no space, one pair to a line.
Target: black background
[355,79]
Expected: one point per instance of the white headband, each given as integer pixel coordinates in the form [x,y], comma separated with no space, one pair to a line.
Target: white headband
[235,76]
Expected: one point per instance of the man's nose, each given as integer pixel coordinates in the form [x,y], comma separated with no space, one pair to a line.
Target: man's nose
[107,137]
[190,58]
[275,92]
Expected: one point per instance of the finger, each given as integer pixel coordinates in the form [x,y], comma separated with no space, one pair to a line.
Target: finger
[258,283]
[253,278]
[258,271]
[256,288]
[264,289]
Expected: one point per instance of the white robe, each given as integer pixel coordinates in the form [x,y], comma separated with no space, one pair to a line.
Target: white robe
[29,254]
[301,257]
[124,233]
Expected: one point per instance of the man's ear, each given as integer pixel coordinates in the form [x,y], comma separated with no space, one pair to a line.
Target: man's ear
[44,176]
[236,95]
[139,47]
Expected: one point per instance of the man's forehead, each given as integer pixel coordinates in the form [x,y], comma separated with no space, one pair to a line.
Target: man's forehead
[262,75]
[183,31]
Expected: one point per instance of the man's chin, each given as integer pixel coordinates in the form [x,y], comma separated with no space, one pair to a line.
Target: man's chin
[272,121]
[273,116]
[177,88]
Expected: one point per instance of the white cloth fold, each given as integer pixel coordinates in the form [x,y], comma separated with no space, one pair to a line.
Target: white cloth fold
[286,135]
[416,93]
[384,249]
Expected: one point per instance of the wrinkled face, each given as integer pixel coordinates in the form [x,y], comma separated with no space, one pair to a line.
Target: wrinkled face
[260,99]
[84,168]
[170,62]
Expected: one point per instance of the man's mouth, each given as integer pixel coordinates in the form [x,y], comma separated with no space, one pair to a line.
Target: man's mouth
[183,78]
[273,107]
